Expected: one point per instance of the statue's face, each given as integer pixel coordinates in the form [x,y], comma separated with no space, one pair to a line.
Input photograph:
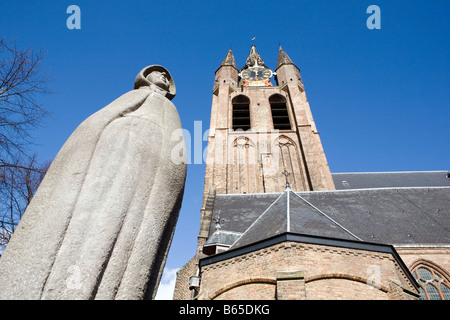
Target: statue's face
[160,79]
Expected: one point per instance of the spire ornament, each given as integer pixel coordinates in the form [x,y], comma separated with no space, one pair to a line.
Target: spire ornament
[286,174]
[255,73]
[254,59]
[218,221]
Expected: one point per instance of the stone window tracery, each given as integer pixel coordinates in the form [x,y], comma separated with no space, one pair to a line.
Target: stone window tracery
[433,284]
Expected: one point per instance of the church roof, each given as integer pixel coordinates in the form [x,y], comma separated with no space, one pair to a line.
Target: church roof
[362,180]
[385,215]
[283,58]
[371,219]
[223,237]
[229,60]
[291,213]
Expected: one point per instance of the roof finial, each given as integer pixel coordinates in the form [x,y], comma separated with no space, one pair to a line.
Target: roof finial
[218,221]
[253,41]
[286,174]
[254,58]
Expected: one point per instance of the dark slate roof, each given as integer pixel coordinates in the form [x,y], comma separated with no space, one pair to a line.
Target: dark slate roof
[364,180]
[291,213]
[391,216]
[386,215]
[223,237]
[270,223]
[305,218]
[239,211]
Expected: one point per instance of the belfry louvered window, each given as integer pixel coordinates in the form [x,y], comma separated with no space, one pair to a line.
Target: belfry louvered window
[241,113]
[280,114]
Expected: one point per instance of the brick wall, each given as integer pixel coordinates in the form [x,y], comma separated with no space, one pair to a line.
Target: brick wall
[322,272]
[181,291]
[438,255]
[251,291]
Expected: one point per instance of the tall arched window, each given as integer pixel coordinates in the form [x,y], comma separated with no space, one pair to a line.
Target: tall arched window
[433,284]
[280,114]
[241,112]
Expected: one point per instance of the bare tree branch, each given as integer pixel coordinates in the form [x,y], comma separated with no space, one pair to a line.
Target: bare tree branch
[18,184]
[21,82]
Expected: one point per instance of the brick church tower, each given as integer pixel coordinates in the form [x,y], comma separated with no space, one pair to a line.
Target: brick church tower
[258,130]
[273,225]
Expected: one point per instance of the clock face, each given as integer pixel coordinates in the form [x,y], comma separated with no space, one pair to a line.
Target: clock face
[256,74]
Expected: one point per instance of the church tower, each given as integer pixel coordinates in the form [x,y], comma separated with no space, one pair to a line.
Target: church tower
[259,129]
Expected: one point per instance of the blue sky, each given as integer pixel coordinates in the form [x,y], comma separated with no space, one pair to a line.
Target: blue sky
[380,98]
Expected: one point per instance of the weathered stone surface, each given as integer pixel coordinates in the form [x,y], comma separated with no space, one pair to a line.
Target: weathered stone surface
[101,223]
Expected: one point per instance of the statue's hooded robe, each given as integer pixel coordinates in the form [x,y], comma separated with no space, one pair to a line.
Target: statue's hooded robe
[101,222]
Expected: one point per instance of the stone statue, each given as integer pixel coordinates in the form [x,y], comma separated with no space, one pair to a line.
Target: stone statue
[102,220]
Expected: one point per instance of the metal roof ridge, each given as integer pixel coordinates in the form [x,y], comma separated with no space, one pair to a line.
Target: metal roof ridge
[325,215]
[248,194]
[370,189]
[288,217]
[421,245]
[227,231]
[376,172]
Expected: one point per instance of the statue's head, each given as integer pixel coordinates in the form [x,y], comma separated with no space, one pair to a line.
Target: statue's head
[156,77]
[159,78]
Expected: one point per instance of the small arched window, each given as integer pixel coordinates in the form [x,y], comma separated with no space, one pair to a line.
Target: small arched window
[280,114]
[241,113]
[433,285]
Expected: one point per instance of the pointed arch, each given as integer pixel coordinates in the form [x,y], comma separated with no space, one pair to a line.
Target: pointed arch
[280,116]
[241,113]
[434,281]
[243,166]
[243,142]
[289,159]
